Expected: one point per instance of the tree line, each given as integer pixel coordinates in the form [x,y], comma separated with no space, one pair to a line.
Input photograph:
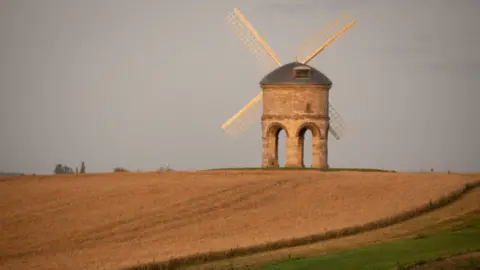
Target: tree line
[64,169]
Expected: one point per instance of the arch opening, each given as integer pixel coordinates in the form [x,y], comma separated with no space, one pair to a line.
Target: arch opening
[306,135]
[281,148]
[277,145]
[305,145]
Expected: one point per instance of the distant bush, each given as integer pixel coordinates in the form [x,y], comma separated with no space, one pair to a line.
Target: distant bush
[120,169]
[165,168]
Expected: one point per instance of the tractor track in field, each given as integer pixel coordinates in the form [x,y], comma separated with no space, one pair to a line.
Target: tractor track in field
[242,197]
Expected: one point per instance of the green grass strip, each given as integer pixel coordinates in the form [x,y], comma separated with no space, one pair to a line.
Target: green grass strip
[394,254]
[306,168]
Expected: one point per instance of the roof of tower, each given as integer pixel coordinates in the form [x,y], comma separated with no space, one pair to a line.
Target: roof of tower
[296,73]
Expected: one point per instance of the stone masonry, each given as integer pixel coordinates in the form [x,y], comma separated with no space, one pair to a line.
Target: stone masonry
[295,108]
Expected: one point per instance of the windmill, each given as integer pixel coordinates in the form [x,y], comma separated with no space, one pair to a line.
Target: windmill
[301,80]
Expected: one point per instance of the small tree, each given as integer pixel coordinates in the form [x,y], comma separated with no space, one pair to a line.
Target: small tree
[83,169]
[59,169]
[67,169]
[120,169]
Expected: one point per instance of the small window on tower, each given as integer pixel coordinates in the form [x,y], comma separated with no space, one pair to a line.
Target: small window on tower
[308,108]
[302,72]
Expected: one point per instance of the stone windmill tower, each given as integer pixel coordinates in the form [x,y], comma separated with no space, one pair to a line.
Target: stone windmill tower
[295,98]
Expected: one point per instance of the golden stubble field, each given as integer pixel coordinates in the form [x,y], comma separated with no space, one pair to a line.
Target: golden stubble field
[108,221]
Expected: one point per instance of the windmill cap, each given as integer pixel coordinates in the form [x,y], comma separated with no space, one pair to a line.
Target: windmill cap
[290,74]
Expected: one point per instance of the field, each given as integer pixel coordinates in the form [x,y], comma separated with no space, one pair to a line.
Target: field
[458,214]
[109,221]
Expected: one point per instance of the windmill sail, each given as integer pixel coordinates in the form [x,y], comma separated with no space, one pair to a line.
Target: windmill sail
[256,46]
[268,60]
[249,113]
[321,40]
[337,125]
[241,122]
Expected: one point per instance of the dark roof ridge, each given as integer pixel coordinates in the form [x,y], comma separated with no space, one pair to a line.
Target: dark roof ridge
[285,75]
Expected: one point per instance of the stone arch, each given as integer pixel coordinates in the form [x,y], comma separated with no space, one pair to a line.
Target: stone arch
[275,128]
[272,137]
[314,128]
[300,135]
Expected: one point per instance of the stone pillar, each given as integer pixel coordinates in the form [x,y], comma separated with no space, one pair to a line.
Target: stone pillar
[300,149]
[265,153]
[324,154]
[270,152]
[292,156]
[319,153]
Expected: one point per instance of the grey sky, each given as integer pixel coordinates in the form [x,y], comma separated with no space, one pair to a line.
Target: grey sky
[141,84]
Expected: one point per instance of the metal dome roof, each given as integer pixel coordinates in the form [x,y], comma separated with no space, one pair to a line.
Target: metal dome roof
[286,75]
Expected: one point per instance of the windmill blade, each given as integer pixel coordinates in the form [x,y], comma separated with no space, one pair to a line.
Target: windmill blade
[337,125]
[252,40]
[320,37]
[242,122]
[325,37]
[261,51]
[237,121]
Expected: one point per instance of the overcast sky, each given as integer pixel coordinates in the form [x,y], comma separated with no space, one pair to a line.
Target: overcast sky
[142,84]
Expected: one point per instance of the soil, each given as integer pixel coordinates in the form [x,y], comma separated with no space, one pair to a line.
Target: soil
[444,218]
[109,221]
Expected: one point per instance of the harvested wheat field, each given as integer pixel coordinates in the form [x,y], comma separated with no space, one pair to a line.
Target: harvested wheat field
[109,221]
